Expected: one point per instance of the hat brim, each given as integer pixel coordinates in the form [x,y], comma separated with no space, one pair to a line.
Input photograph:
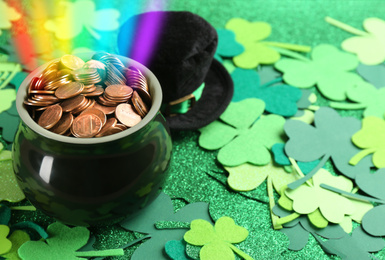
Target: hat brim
[216,96]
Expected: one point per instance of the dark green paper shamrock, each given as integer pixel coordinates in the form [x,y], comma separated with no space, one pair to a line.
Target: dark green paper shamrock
[299,229]
[356,246]
[62,243]
[375,75]
[161,210]
[227,45]
[330,137]
[176,250]
[280,99]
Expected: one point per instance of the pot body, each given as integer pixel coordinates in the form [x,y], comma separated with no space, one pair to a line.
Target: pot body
[92,181]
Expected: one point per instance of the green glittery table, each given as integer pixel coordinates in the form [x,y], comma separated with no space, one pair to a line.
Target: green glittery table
[293,21]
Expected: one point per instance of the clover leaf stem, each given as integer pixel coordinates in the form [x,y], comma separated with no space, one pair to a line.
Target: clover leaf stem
[299,182]
[108,252]
[240,252]
[339,105]
[359,156]
[287,219]
[289,46]
[351,195]
[291,54]
[345,26]
[270,194]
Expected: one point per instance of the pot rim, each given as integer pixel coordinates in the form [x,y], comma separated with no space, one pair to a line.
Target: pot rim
[153,84]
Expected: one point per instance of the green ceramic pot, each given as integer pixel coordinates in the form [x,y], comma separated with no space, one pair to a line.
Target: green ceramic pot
[92,181]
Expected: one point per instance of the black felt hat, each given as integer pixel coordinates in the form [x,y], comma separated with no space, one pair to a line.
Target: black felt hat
[184,45]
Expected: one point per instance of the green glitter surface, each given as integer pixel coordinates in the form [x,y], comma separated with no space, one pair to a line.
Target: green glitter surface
[292,21]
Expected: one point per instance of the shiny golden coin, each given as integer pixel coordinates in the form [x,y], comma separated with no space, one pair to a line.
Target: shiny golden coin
[96,112]
[86,126]
[74,103]
[71,62]
[69,90]
[126,115]
[64,124]
[50,116]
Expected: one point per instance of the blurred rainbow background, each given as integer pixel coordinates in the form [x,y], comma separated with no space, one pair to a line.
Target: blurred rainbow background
[43,30]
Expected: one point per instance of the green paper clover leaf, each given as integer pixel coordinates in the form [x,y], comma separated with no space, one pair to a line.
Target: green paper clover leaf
[85,15]
[227,45]
[366,97]
[217,241]
[62,243]
[17,238]
[373,221]
[7,96]
[298,230]
[373,74]
[249,34]
[369,47]
[5,243]
[162,210]
[329,69]
[358,245]
[280,99]
[306,199]
[371,138]
[176,250]
[240,137]
[330,137]
[248,177]
[7,15]
[9,187]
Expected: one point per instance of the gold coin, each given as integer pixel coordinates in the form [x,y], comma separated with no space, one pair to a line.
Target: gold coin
[71,62]
[69,90]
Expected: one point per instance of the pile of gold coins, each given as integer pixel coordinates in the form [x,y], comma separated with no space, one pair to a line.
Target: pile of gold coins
[82,99]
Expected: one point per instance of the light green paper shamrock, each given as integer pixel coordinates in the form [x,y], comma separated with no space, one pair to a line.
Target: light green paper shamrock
[242,138]
[330,69]
[5,244]
[249,34]
[7,14]
[248,177]
[361,208]
[371,138]
[17,238]
[369,47]
[62,243]
[307,199]
[367,97]
[7,96]
[81,14]
[217,241]
[9,187]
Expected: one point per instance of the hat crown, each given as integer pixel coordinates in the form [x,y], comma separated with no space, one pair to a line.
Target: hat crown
[183,49]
